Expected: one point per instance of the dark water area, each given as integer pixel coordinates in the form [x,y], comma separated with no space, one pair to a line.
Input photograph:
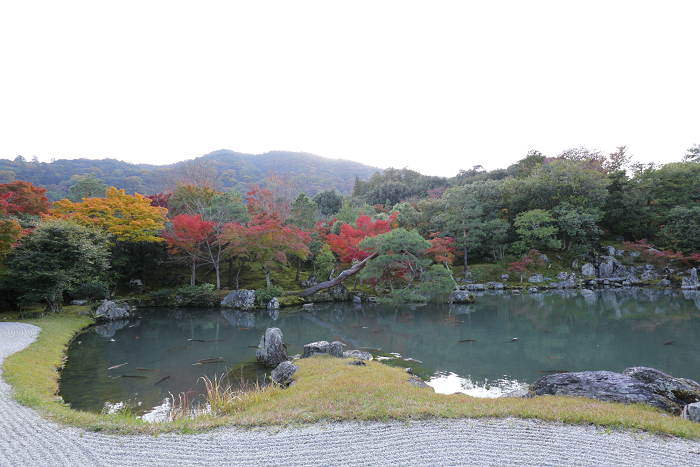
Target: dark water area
[511,340]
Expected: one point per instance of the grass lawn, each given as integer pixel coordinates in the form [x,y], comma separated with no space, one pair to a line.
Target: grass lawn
[326,390]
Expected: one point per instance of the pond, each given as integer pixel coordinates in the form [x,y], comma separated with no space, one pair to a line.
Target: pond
[500,343]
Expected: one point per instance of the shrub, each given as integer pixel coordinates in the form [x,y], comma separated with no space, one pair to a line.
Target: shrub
[198,295]
[265,295]
[162,297]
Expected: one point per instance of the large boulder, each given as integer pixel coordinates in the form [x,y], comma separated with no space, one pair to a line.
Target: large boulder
[111,311]
[283,373]
[536,278]
[604,386]
[682,391]
[562,276]
[241,299]
[461,296]
[588,270]
[272,350]
[335,349]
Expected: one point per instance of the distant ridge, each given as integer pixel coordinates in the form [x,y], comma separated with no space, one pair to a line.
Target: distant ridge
[308,173]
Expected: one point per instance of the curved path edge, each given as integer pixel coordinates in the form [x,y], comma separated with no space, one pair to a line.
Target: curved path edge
[27,439]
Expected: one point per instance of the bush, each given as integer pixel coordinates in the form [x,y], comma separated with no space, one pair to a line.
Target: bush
[198,295]
[90,291]
[265,295]
[162,297]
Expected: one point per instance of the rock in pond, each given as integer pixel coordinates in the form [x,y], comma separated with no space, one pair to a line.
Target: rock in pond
[461,296]
[272,351]
[110,311]
[282,375]
[604,386]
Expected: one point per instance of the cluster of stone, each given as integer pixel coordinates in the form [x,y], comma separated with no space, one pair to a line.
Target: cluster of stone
[272,352]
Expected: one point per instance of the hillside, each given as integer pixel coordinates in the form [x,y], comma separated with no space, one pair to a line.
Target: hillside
[307,173]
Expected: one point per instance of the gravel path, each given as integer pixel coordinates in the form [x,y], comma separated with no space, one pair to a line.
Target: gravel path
[28,440]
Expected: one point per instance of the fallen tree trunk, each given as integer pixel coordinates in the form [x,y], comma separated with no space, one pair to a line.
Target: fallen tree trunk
[340,278]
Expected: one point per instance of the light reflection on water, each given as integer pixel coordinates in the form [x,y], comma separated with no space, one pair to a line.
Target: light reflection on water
[456,348]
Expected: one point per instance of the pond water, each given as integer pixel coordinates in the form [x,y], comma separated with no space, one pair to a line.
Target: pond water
[511,340]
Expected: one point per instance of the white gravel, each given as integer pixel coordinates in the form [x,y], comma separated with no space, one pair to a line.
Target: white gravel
[28,440]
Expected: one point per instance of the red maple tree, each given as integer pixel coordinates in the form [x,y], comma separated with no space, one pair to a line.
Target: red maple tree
[345,243]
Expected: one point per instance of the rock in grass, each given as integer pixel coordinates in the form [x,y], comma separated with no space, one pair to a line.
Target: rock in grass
[283,374]
[272,351]
[335,348]
[357,363]
[692,412]
[315,348]
[603,386]
[362,355]
[682,391]
[417,382]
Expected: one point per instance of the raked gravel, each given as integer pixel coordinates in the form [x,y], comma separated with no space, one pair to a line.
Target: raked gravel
[28,440]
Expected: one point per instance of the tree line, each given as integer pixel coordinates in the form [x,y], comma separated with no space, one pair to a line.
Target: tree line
[419,226]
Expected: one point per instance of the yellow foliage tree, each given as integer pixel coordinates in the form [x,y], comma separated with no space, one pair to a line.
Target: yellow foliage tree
[127,218]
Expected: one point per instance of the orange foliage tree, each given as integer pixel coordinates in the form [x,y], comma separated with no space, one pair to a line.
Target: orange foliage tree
[125,217]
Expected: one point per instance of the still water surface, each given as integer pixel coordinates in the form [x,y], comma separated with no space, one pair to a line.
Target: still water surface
[612,330]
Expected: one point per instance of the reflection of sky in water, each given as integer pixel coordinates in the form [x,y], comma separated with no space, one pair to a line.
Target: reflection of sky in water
[452,383]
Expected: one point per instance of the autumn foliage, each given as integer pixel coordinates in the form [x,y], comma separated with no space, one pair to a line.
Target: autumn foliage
[22,198]
[345,244]
[127,218]
[265,243]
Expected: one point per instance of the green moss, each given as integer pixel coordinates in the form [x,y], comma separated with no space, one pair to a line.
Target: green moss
[291,300]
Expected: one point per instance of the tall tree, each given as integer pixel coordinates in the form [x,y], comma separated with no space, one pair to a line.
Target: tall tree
[463,220]
[266,242]
[87,186]
[401,256]
[193,240]
[58,256]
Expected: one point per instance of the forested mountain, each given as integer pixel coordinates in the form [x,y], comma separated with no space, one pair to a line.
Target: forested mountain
[307,173]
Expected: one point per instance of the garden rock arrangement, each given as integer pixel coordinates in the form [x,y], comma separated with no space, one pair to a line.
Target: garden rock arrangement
[111,311]
[272,350]
[635,385]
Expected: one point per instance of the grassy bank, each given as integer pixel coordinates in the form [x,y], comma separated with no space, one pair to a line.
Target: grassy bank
[326,390]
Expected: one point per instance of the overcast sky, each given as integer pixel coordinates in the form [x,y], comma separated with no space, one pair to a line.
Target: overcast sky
[434,86]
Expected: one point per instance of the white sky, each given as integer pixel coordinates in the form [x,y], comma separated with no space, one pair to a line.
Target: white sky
[434,86]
